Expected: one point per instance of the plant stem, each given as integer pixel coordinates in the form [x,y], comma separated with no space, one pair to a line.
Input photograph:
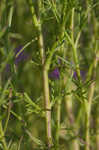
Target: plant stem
[8,116]
[74,44]
[72,121]
[58,113]
[97,127]
[2,137]
[37,23]
[92,73]
[88,106]
[47,107]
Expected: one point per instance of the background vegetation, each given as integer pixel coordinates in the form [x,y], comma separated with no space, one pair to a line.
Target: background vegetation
[49,85]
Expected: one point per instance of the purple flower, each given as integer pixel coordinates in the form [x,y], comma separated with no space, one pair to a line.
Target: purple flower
[55,74]
[82,74]
[21,57]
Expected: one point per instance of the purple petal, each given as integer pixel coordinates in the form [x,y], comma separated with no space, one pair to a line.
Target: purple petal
[21,57]
[55,74]
[18,49]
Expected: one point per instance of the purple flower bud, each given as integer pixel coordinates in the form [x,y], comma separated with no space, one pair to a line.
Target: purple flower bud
[21,57]
[55,74]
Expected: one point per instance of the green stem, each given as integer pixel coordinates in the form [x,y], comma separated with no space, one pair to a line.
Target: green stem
[58,103]
[72,25]
[2,137]
[88,107]
[47,107]
[58,114]
[72,121]
[74,44]
[37,23]
[97,127]
[7,120]
[92,72]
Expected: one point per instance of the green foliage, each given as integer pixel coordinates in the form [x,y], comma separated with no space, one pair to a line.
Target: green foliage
[36,111]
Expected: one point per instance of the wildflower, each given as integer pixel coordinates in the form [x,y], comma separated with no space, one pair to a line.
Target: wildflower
[21,57]
[55,74]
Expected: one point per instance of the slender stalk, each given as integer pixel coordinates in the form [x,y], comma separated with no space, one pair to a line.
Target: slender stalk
[72,25]
[34,139]
[88,107]
[58,103]
[46,85]
[92,72]
[47,107]
[37,23]
[72,121]
[97,127]
[8,116]
[74,43]
[20,141]
[87,125]
[9,110]
[2,138]
[58,116]
[95,30]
